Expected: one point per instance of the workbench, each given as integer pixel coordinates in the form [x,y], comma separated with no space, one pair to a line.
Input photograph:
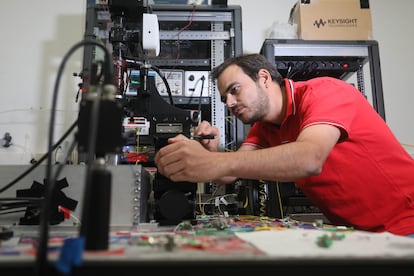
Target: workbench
[225,245]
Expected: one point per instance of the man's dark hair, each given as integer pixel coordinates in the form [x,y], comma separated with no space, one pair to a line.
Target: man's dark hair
[250,64]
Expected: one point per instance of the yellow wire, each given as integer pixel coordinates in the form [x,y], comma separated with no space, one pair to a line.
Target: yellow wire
[246,203]
[137,148]
[279,199]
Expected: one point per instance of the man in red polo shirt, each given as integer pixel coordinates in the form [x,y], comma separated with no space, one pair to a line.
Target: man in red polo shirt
[321,134]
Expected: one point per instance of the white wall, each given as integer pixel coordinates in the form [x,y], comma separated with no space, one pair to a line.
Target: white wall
[392,28]
[37,34]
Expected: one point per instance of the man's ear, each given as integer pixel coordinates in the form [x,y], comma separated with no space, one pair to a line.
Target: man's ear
[264,77]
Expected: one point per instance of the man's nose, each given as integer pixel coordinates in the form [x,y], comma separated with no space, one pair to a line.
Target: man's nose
[230,100]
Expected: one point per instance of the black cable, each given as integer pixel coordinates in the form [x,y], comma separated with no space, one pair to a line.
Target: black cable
[13,212]
[158,71]
[19,198]
[164,79]
[201,94]
[35,165]
[41,254]
[290,71]
[22,204]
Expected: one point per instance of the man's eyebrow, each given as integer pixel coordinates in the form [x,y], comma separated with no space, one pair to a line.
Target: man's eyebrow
[229,87]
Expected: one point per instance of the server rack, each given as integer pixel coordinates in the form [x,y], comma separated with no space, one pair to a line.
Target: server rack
[193,40]
[212,34]
[206,34]
[342,59]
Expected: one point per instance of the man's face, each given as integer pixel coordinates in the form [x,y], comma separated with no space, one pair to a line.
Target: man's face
[242,96]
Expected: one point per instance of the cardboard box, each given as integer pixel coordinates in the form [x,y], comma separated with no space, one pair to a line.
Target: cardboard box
[332,19]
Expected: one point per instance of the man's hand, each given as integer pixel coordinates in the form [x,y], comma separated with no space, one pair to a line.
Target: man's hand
[205,128]
[185,160]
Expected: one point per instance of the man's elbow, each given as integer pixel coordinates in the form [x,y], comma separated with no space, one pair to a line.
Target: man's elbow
[313,167]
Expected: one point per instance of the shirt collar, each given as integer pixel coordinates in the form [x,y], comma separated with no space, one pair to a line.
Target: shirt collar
[290,98]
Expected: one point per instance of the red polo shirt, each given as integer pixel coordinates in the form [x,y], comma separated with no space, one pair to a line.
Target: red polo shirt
[367,180]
